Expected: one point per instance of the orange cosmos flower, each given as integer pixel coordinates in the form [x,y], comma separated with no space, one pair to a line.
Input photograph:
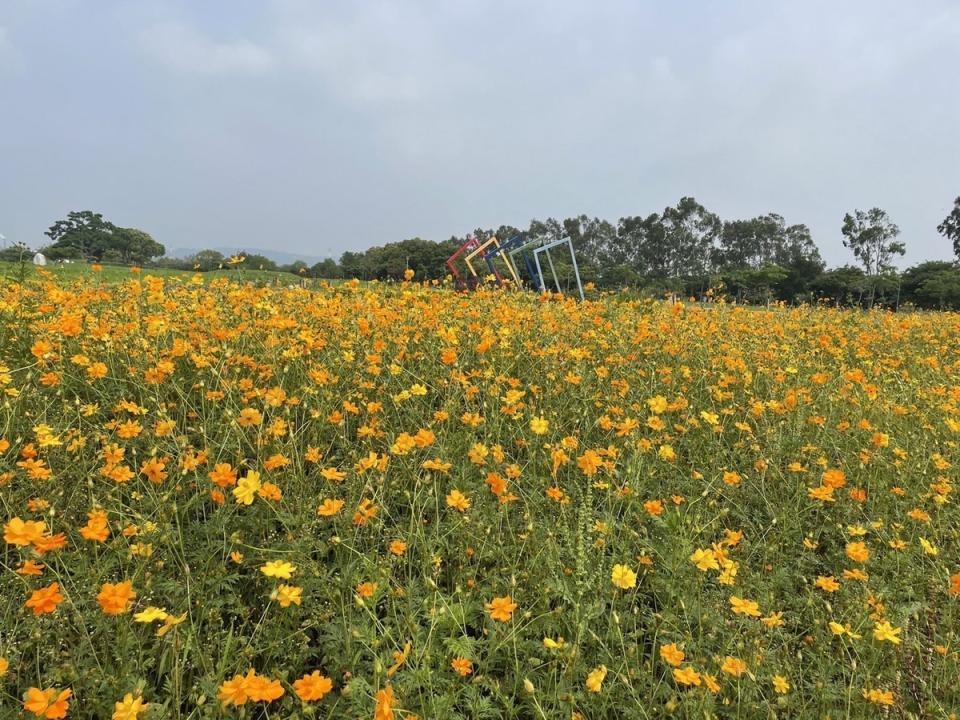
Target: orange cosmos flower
[827,583]
[744,607]
[672,655]
[589,463]
[686,676]
[458,501]
[29,567]
[233,691]
[45,600]
[23,532]
[367,589]
[333,474]
[858,552]
[330,507]
[49,543]
[96,528]
[386,702]
[223,475]
[249,417]
[51,704]
[116,598]
[733,666]
[312,687]
[462,666]
[501,608]
[263,689]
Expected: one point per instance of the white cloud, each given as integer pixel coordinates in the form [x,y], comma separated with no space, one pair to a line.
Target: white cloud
[374,53]
[185,49]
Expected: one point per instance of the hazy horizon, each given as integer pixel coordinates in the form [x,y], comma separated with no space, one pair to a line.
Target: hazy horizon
[318,128]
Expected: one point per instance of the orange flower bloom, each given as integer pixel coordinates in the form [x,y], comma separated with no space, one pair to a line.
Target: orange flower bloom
[653,507]
[386,702]
[367,589]
[96,528]
[23,532]
[501,608]
[954,584]
[116,598]
[223,475]
[51,704]
[330,507]
[45,600]
[312,687]
[458,501]
[263,689]
[49,543]
[462,666]
[29,567]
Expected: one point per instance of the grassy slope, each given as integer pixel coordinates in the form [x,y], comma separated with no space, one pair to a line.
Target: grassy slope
[111,273]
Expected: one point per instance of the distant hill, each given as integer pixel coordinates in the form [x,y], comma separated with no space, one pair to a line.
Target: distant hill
[278,256]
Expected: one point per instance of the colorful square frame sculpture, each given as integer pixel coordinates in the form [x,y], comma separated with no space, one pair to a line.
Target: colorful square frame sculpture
[480,248]
[468,246]
[573,257]
[502,249]
[523,251]
[530,251]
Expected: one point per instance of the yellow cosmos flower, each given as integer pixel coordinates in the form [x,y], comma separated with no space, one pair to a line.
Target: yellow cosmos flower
[623,577]
[595,679]
[278,569]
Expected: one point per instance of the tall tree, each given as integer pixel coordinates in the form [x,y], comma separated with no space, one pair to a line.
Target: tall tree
[689,234]
[131,245]
[931,284]
[206,260]
[590,238]
[872,237]
[750,243]
[801,259]
[83,234]
[89,235]
[638,245]
[950,227]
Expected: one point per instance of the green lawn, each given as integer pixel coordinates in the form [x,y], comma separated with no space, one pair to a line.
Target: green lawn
[113,273]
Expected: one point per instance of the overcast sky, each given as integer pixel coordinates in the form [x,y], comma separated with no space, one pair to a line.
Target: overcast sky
[319,127]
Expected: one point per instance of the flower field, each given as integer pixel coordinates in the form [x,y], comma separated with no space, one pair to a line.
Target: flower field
[395,501]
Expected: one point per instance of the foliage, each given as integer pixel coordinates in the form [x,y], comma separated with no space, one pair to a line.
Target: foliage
[87,235]
[16,253]
[933,285]
[492,505]
[871,236]
[950,227]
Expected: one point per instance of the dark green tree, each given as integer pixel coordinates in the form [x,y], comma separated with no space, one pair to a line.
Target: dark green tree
[206,260]
[843,286]
[637,244]
[928,285]
[84,234]
[689,234]
[130,245]
[254,261]
[328,269]
[950,227]
[871,235]
[354,265]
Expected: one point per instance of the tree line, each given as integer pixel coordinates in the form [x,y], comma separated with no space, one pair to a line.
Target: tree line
[684,249]
[689,250]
